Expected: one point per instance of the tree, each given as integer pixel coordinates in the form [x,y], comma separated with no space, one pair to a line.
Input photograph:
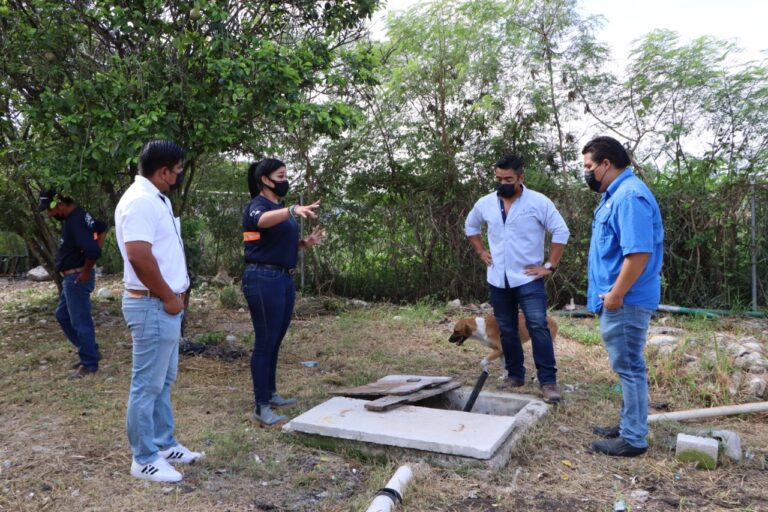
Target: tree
[85,84]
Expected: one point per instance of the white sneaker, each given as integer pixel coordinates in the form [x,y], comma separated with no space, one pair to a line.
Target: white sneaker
[157,471]
[180,454]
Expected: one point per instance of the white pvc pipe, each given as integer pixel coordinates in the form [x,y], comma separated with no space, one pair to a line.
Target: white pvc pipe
[709,412]
[398,482]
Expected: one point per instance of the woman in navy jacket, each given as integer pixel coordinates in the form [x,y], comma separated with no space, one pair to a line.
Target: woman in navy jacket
[271,239]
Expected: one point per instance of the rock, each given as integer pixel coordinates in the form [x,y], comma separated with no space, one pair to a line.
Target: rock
[486,307]
[662,340]
[666,350]
[39,274]
[757,386]
[736,349]
[454,304]
[563,429]
[231,338]
[751,362]
[42,321]
[701,450]
[397,317]
[359,303]
[640,495]
[751,343]
[735,384]
[104,293]
[663,329]
[731,443]
[222,278]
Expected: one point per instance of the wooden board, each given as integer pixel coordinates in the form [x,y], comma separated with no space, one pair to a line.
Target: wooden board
[393,385]
[391,401]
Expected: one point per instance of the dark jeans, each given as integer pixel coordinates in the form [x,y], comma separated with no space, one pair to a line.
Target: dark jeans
[271,295]
[531,298]
[74,315]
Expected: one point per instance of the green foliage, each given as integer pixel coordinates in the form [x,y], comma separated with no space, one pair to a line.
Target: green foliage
[578,331]
[211,337]
[83,89]
[230,297]
[11,244]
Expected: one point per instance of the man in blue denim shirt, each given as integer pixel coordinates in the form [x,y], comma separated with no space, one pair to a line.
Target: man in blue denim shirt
[517,220]
[624,287]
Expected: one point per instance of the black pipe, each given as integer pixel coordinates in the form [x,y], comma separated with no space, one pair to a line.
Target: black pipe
[476,391]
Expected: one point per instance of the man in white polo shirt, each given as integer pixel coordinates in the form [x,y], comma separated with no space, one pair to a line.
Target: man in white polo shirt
[517,219]
[155,277]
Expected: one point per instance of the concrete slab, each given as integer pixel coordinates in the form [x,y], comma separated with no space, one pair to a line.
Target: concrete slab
[442,431]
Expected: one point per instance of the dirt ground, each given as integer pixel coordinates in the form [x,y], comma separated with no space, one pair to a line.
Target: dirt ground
[63,444]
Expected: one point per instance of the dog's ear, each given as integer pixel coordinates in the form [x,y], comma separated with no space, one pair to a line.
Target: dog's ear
[462,327]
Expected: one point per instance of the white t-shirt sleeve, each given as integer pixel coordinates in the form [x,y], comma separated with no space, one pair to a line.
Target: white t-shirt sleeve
[139,221]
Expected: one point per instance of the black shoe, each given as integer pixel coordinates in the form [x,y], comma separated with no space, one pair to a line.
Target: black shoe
[606,432]
[617,447]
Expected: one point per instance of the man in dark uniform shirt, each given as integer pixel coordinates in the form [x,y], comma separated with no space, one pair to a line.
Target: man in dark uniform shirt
[82,237]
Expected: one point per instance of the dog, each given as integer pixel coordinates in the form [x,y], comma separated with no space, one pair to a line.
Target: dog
[486,331]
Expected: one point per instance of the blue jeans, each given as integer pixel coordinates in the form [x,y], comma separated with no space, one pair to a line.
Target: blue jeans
[155,333]
[624,331]
[270,294]
[74,315]
[531,298]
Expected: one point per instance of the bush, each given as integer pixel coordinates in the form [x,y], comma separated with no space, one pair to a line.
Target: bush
[231,297]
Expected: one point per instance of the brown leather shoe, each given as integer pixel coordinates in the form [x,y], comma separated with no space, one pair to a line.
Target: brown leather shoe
[81,372]
[551,393]
[510,382]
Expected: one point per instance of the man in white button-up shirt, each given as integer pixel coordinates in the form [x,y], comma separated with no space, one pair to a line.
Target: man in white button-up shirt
[155,276]
[517,219]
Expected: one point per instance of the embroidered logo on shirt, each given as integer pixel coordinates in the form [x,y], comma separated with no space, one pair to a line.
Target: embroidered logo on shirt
[89,220]
[254,213]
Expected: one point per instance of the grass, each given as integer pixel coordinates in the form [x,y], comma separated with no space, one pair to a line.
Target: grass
[64,445]
[585,331]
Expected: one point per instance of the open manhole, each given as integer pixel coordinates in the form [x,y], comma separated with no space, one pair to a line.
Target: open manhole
[435,424]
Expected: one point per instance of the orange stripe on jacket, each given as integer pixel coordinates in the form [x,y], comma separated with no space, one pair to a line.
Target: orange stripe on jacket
[251,236]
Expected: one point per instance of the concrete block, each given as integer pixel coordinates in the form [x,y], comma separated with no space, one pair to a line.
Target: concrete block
[443,431]
[731,441]
[701,450]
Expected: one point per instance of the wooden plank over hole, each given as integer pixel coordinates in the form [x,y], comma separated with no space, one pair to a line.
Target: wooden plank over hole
[392,401]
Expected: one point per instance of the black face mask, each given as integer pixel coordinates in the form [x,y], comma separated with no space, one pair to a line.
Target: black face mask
[179,181]
[281,187]
[592,182]
[506,190]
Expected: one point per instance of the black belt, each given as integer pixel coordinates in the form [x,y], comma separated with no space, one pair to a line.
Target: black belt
[287,270]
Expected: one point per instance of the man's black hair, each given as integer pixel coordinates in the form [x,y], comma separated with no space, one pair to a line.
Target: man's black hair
[607,148]
[157,154]
[511,162]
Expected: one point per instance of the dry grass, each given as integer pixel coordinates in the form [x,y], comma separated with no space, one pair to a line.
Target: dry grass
[64,446]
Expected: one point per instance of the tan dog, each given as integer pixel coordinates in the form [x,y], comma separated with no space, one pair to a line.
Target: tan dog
[486,331]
